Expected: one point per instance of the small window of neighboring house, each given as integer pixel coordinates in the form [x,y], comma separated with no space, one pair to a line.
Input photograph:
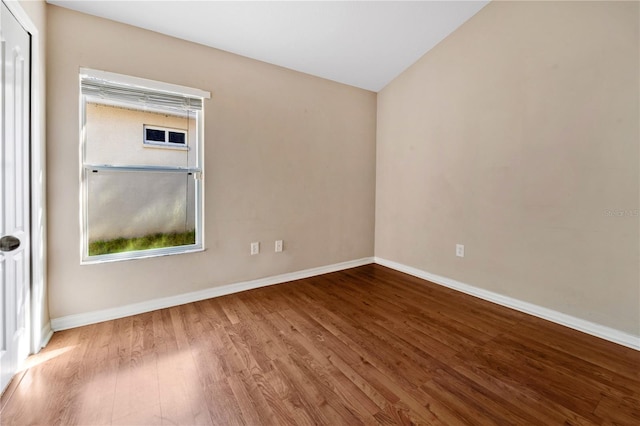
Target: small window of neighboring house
[140,202]
[161,137]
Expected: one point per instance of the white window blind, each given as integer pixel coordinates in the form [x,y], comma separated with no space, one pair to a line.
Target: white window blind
[106,87]
[101,89]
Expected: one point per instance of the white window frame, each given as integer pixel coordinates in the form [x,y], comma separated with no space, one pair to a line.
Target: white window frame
[166,143]
[197,171]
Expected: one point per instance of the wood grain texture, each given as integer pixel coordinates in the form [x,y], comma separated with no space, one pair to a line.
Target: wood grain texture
[365,346]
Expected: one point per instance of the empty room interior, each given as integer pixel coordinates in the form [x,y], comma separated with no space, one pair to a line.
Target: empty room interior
[336,213]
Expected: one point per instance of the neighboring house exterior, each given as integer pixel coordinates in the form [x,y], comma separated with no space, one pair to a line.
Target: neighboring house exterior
[126,204]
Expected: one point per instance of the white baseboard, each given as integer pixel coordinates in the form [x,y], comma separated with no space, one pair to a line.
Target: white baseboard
[78,320]
[601,331]
[607,333]
[46,333]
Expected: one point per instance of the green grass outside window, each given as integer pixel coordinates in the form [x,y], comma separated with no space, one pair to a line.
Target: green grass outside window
[147,242]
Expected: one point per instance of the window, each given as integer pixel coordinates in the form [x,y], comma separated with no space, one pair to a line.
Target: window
[140,202]
[170,138]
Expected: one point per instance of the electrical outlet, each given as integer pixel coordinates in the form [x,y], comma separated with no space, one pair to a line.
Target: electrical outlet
[255,248]
[460,250]
[278,246]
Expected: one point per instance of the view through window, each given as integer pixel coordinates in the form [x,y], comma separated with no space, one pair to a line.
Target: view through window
[142,167]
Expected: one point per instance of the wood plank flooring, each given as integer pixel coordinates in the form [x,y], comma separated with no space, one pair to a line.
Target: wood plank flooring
[365,346]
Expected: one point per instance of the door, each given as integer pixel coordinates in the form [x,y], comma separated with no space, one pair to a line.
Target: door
[15,265]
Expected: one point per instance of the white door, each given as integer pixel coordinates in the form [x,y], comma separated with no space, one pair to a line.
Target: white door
[15,264]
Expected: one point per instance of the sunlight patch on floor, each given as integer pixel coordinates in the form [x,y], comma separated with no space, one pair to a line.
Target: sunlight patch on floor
[43,357]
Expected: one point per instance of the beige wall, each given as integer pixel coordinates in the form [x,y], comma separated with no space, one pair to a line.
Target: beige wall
[287,156]
[518,136]
[137,204]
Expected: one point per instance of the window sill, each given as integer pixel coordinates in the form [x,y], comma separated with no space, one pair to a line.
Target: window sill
[141,254]
[163,145]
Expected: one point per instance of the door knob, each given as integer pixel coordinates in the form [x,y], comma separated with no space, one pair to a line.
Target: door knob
[9,243]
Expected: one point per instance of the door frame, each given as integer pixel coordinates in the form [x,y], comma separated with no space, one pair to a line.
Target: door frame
[40,326]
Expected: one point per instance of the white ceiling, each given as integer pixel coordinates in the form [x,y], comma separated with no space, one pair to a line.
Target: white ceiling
[361,43]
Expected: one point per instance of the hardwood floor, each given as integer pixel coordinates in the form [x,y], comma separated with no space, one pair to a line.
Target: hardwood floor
[363,346]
